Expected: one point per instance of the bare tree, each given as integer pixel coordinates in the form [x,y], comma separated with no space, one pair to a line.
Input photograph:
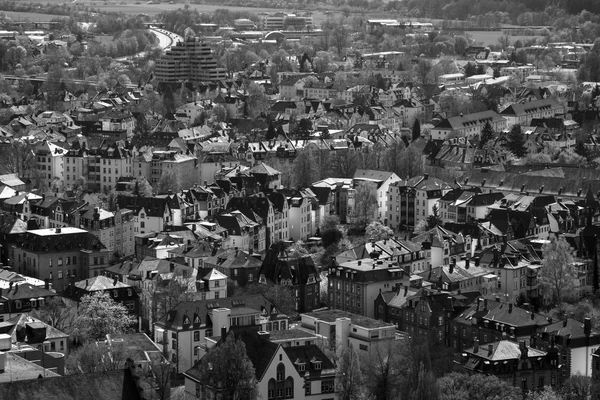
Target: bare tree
[557,276]
[365,203]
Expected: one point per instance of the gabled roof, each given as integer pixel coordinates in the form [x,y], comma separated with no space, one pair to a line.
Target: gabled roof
[504,350]
[372,175]
[263,169]
[100,283]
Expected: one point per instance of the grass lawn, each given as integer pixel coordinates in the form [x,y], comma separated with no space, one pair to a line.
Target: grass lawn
[491,37]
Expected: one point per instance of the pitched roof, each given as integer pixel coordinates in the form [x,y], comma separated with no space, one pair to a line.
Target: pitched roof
[113,385]
[504,350]
[100,282]
[372,175]
[263,169]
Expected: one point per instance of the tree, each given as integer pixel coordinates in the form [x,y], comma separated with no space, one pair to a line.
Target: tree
[95,356]
[228,370]
[349,385]
[17,157]
[258,102]
[305,170]
[56,314]
[434,219]
[457,386]
[382,370]
[330,231]
[99,315]
[169,181]
[219,113]
[423,69]
[416,129]
[141,187]
[487,134]
[516,141]
[377,231]
[577,387]
[557,276]
[548,393]
[164,295]
[365,204]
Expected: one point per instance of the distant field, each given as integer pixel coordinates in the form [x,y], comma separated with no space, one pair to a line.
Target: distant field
[491,37]
[22,16]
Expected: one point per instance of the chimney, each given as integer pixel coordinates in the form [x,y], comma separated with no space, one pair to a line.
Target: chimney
[359,262]
[476,345]
[58,230]
[532,316]
[523,348]
[47,284]
[587,326]
[467,261]
[477,261]
[485,304]
[171,267]
[478,303]
[490,349]
[86,283]
[425,176]
[451,268]
[2,361]
[510,307]
[565,323]
[405,291]
[223,332]
[115,282]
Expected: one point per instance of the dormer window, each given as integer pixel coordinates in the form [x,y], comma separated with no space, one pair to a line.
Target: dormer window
[262,279]
[317,365]
[301,367]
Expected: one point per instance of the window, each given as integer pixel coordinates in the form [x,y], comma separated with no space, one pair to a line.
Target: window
[75,260]
[327,386]
[271,389]
[363,347]
[289,387]
[60,274]
[280,372]
[280,393]
[196,336]
[142,224]
[68,260]
[60,261]
[115,294]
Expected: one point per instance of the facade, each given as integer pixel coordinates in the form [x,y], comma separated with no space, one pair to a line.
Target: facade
[59,253]
[240,267]
[49,161]
[523,113]
[469,125]
[183,332]
[383,180]
[114,229]
[353,286]
[344,329]
[516,363]
[190,60]
[412,200]
[21,297]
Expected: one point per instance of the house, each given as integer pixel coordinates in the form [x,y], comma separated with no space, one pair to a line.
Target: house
[21,297]
[151,214]
[182,333]
[575,342]
[242,232]
[461,276]
[240,267]
[469,125]
[27,331]
[299,372]
[382,180]
[516,363]
[119,292]
[298,272]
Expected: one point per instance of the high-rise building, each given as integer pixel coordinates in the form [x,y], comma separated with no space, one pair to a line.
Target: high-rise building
[190,60]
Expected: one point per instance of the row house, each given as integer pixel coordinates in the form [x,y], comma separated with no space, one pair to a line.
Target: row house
[21,297]
[523,113]
[209,200]
[182,333]
[181,166]
[240,267]
[115,229]
[412,200]
[461,276]
[242,232]
[469,125]
[50,211]
[97,168]
[465,205]
[339,190]
[150,214]
[444,244]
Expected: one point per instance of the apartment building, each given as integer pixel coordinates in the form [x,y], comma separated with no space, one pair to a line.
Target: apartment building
[114,229]
[189,60]
[410,201]
[383,180]
[469,125]
[523,113]
[353,286]
[49,160]
[58,253]
[182,333]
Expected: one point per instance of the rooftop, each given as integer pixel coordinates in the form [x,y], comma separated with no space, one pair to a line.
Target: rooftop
[358,320]
[67,230]
[19,369]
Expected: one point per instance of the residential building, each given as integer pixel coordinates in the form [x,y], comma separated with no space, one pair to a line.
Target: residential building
[182,332]
[523,113]
[443,244]
[576,344]
[383,180]
[114,229]
[49,161]
[412,200]
[353,286]
[516,363]
[299,272]
[340,188]
[59,253]
[242,232]
[151,214]
[119,292]
[27,331]
[469,125]
[240,267]
[343,329]
[189,60]
[299,372]
[22,297]
[489,320]
[461,276]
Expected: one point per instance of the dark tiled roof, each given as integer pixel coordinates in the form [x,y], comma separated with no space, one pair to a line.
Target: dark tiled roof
[308,353]
[113,385]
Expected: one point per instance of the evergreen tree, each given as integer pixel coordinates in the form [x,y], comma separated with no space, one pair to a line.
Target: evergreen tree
[516,141]
[487,134]
[416,130]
